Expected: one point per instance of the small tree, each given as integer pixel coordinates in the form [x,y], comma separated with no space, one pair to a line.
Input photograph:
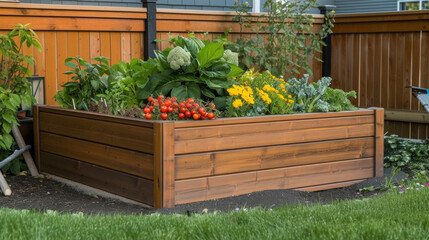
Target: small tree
[285,39]
[14,87]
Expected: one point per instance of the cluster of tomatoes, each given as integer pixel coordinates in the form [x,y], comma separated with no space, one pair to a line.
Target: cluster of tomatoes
[169,108]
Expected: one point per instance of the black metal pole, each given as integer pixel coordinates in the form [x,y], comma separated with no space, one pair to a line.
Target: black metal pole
[326,51]
[150,31]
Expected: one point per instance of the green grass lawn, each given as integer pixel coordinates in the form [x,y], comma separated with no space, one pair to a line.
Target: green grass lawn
[391,216]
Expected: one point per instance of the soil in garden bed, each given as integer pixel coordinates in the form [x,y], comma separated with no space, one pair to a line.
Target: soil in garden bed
[47,194]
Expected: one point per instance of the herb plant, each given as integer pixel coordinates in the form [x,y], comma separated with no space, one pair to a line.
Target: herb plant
[193,69]
[88,81]
[285,40]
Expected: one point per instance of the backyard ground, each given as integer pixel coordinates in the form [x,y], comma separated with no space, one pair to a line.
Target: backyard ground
[47,194]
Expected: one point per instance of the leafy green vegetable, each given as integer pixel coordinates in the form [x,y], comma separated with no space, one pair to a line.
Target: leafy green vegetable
[192,69]
[319,97]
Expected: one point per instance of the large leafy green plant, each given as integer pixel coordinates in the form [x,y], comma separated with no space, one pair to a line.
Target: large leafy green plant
[284,38]
[191,68]
[14,87]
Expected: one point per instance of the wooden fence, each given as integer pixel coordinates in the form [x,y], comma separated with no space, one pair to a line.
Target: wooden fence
[378,55]
[116,33]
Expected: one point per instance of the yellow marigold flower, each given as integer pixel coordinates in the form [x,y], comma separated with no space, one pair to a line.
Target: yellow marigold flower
[237,103]
[333,11]
[291,101]
[282,86]
[289,96]
[232,92]
[287,83]
[280,96]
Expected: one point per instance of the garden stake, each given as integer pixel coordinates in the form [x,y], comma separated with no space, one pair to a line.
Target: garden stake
[3,185]
[27,156]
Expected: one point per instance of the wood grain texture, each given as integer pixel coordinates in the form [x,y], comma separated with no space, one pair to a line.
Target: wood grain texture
[99,131]
[328,186]
[393,53]
[131,162]
[379,142]
[168,172]
[36,135]
[255,136]
[252,159]
[126,185]
[207,188]
[157,166]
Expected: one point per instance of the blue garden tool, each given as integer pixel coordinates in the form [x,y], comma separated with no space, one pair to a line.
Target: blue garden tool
[422,94]
[27,157]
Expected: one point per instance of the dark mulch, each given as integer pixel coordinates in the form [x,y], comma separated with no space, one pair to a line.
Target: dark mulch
[47,194]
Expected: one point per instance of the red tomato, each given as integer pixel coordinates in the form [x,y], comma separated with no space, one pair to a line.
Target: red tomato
[212,105]
[173,99]
[182,104]
[189,106]
[193,112]
[175,105]
[203,117]
[183,109]
[181,115]
[149,99]
[160,97]
[150,108]
[196,105]
[164,108]
[190,100]
[211,115]
[188,114]
[201,110]
[164,116]
[146,110]
[148,116]
[170,109]
[168,102]
[196,116]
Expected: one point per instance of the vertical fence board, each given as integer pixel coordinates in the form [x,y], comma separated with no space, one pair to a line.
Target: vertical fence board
[115,47]
[51,69]
[61,56]
[125,46]
[105,45]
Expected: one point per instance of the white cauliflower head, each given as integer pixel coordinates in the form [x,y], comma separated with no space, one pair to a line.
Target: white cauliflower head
[178,57]
[230,57]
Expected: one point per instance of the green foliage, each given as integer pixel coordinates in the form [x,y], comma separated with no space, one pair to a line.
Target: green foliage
[318,97]
[14,87]
[284,40]
[125,80]
[191,68]
[88,81]
[15,166]
[405,153]
[390,216]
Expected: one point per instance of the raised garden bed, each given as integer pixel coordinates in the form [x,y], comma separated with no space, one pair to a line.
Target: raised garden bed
[164,163]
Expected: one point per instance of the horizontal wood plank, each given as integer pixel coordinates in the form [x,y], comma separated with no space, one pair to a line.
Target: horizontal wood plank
[329,186]
[122,160]
[99,131]
[97,116]
[243,160]
[129,186]
[268,127]
[207,188]
[271,118]
[269,138]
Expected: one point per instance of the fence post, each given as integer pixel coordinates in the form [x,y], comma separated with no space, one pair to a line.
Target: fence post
[326,54]
[150,29]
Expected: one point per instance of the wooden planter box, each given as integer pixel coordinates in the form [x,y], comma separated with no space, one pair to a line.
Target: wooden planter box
[164,163]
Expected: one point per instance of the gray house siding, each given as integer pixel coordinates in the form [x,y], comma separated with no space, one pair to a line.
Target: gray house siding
[342,6]
[362,6]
